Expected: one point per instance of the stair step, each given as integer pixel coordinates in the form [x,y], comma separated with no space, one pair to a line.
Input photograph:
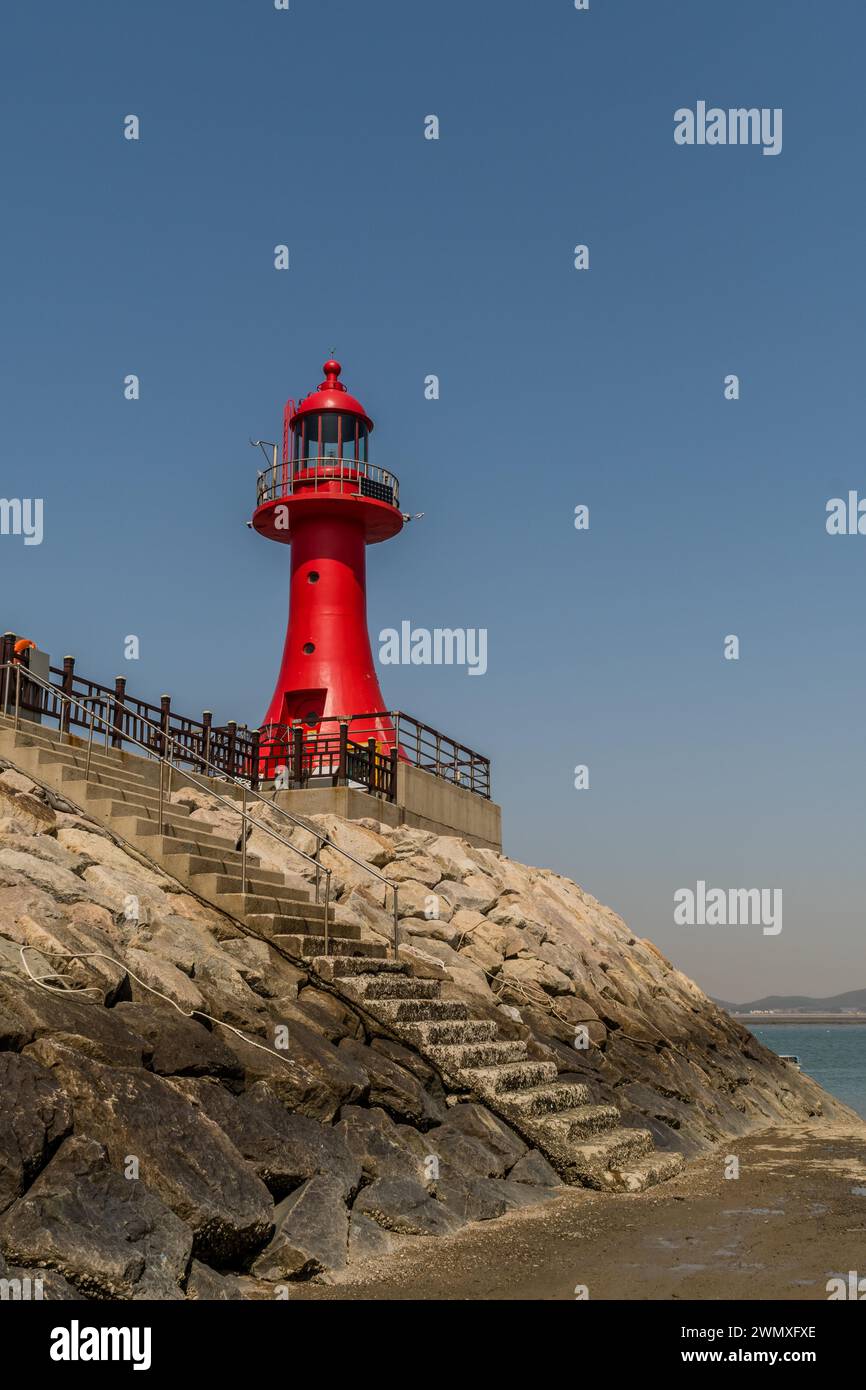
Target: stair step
[66,758]
[273,887]
[455,1057]
[446,1032]
[220,867]
[583,1121]
[270,924]
[115,808]
[115,784]
[309,947]
[646,1172]
[548,1099]
[391,987]
[134,827]
[126,798]
[512,1076]
[246,905]
[218,858]
[419,1010]
[344,969]
[594,1164]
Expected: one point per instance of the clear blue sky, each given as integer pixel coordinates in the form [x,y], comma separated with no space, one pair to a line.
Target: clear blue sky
[411,257]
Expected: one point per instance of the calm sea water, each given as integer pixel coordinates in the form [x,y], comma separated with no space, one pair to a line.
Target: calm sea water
[833,1053]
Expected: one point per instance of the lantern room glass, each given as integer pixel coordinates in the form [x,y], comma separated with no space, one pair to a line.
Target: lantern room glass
[330,434]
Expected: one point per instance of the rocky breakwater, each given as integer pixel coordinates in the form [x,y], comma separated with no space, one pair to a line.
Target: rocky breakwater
[189,1114]
[556,968]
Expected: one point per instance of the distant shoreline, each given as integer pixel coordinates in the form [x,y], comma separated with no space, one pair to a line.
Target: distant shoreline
[764,1019]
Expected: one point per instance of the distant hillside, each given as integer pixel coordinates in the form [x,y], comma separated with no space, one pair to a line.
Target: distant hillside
[792,1003]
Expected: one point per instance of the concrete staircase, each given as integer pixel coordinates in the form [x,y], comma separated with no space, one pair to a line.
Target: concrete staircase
[585,1142]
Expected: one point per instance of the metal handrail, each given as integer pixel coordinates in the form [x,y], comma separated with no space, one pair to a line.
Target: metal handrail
[245,791]
[305,475]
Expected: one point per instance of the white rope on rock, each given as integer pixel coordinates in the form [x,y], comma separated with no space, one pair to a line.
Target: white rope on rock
[41,981]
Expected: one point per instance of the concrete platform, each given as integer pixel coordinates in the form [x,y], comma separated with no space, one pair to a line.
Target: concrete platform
[423,801]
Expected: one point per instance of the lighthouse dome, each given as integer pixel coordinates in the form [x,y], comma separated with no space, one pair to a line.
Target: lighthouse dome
[331,394]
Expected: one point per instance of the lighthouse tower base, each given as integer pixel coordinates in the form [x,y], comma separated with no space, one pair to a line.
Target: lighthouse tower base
[422,801]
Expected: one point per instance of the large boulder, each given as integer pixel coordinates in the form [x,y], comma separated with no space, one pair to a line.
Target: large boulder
[22,812]
[393,1087]
[474,1141]
[34,1117]
[381,1148]
[406,1207]
[308,1074]
[112,1237]
[28,1012]
[179,1046]
[284,1149]
[311,1236]
[180,1154]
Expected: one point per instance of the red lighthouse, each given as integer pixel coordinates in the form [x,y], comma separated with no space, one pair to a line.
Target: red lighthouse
[326,500]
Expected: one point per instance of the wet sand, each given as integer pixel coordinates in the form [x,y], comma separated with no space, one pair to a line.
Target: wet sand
[795,1217]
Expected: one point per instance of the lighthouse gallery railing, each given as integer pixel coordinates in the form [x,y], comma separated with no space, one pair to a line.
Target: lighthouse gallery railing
[352,477]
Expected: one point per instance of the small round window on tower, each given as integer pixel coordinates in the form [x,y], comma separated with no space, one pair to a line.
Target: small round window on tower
[313,577]
[312,718]
[309,648]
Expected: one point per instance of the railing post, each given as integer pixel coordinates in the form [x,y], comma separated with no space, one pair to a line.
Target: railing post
[244,840]
[327,925]
[206,721]
[371,766]
[297,756]
[66,687]
[343,757]
[254,755]
[164,722]
[160,826]
[392,780]
[17,694]
[230,749]
[7,651]
[118,713]
[396,925]
[90,742]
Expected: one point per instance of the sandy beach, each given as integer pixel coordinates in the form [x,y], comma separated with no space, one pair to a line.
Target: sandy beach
[795,1217]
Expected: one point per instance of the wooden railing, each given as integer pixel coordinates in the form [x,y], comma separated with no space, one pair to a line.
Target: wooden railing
[232,747]
[362,749]
[291,757]
[350,748]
